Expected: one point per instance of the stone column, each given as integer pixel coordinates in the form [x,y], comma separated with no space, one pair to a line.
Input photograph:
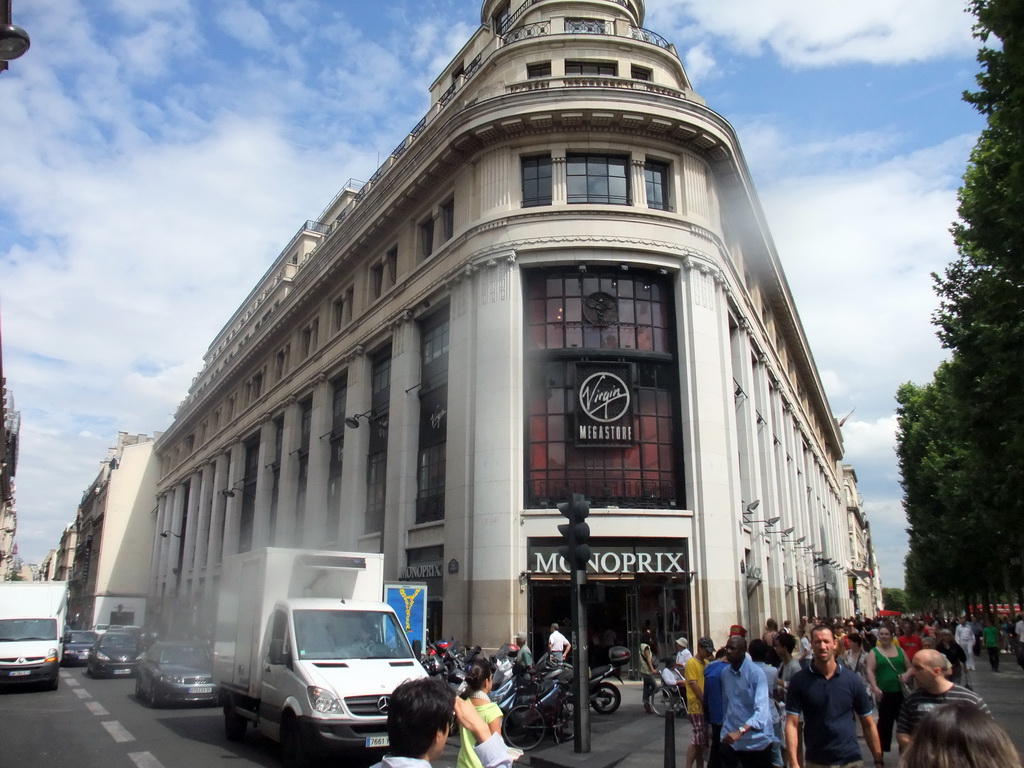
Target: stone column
[494,557]
[319,465]
[203,523]
[637,182]
[710,439]
[218,501]
[189,540]
[286,535]
[403,443]
[262,535]
[158,561]
[559,194]
[233,505]
[353,470]
[173,542]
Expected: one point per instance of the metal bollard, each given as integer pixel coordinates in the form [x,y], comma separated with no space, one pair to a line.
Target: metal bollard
[670,738]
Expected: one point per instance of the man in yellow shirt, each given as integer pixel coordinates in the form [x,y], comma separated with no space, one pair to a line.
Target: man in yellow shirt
[693,672]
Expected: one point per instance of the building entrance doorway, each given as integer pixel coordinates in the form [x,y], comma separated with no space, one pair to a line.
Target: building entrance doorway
[619,612]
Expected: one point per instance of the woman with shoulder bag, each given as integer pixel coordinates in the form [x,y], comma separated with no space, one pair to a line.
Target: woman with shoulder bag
[887,673]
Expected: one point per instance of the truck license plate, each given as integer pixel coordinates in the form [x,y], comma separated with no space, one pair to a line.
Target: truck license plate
[377,741]
[200,689]
[20,672]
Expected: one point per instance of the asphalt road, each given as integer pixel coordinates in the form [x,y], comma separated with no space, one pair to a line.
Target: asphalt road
[90,723]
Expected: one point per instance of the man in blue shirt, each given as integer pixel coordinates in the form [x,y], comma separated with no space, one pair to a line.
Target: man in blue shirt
[714,706]
[827,695]
[747,733]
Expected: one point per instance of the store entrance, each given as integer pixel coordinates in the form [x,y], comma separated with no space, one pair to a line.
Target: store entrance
[619,612]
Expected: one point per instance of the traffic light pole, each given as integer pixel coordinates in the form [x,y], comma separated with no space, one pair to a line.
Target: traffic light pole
[580,665]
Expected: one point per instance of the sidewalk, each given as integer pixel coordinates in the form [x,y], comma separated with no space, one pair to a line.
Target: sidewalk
[632,739]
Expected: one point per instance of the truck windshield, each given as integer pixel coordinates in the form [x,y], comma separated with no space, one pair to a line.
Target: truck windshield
[349,635]
[14,630]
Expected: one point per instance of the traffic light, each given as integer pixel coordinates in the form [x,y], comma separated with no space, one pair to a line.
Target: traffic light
[576,533]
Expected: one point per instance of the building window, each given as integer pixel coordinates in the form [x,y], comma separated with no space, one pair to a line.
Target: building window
[309,338]
[536,181]
[376,487]
[427,237]
[341,311]
[281,362]
[640,73]
[376,469]
[430,480]
[541,69]
[656,181]
[601,320]
[254,388]
[603,68]
[391,265]
[585,26]
[597,179]
[500,19]
[377,280]
[448,219]
[339,404]
[433,428]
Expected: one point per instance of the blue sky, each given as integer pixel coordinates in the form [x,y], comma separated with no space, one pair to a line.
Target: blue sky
[160,153]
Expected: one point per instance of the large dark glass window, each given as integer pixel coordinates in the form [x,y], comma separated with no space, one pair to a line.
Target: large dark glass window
[536,181]
[621,322]
[597,179]
[656,181]
[339,403]
[377,462]
[433,431]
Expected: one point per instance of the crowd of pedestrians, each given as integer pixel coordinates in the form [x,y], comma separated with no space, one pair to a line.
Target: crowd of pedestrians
[794,697]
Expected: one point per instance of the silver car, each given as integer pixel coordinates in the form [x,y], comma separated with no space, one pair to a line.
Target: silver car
[175,672]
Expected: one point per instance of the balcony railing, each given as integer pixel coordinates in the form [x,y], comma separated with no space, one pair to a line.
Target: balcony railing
[649,37]
[527,31]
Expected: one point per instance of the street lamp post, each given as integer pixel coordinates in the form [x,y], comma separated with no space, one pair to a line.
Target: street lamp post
[14,41]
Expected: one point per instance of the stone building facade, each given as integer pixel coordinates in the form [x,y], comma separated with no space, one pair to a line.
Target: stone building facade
[560,281]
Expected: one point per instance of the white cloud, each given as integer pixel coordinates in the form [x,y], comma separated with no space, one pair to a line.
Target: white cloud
[806,33]
[247,25]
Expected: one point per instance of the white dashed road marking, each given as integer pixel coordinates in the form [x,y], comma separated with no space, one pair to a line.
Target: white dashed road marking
[82,693]
[117,731]
[96,708]
[145,760]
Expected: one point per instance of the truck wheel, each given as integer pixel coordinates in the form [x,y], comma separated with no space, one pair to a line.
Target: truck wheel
[294,754]
[234,723]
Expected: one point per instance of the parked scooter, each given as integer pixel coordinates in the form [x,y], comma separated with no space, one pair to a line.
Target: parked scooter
[605,697]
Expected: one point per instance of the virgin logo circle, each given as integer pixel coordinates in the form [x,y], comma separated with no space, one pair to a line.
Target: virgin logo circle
[604,397]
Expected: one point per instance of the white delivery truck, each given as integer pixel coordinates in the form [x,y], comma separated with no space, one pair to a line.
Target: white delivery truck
[306,650]
[31,627]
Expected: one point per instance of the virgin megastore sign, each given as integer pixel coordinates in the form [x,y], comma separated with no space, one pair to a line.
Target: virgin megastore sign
[604,405]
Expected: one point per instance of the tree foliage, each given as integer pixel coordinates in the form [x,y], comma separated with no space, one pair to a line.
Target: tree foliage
[960,446]
[895,599]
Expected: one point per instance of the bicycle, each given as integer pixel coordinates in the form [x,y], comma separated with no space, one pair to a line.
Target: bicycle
[551,707]
[668,698]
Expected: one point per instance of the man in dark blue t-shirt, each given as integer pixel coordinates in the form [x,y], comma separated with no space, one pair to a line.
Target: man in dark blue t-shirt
[826,695]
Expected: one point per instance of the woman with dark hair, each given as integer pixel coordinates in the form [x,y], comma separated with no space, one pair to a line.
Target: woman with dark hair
[478,689]
[959,734]
[887,673]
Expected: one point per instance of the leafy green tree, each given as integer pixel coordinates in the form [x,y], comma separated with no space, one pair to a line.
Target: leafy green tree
[960,447]
[895,599]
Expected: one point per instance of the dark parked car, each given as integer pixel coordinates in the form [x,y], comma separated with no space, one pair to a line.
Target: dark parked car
[77,647]
[114,654]
[177,672]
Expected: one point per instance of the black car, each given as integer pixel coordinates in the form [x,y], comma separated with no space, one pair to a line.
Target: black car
[77,647]
[114,654]
[177,672]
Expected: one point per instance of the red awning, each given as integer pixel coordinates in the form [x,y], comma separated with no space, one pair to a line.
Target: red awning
[890,613]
